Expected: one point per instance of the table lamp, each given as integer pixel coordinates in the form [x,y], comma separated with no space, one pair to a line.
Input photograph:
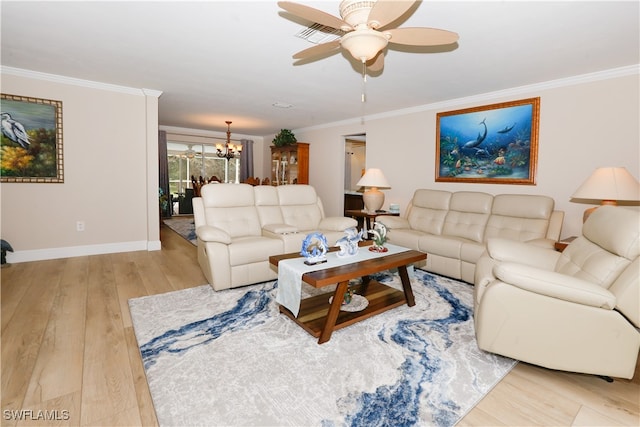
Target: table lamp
[608,185]
[373,198]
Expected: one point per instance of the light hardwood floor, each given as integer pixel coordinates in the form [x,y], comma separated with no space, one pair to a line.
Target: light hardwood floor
[69,351]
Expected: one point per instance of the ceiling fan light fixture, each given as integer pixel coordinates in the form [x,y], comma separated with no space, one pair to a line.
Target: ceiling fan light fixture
[364,44]
[190,153]
[368,29]
[356,12]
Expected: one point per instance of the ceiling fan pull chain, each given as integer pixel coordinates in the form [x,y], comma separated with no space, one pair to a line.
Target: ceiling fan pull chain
[364,81]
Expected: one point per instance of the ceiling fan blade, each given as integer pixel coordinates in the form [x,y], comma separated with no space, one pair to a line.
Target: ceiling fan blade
[376,64]
[318,49]
[420,36]
[315,15]
[384,12]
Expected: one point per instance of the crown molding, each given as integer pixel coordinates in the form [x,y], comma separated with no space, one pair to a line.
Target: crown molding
[452,103]
[152,92]
[54,78]
[175,130]
[457,102]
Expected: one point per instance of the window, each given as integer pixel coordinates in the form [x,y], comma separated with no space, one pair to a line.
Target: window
[198,160]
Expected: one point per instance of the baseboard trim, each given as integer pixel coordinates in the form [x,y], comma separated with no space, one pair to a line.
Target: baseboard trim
[76,251]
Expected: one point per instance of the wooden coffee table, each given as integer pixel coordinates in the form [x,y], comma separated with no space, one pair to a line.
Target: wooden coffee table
[320,318]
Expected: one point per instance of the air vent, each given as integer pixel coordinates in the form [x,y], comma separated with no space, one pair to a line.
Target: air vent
[318,33]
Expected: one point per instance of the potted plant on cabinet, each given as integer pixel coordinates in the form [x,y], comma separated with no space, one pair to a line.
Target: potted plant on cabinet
[284,137]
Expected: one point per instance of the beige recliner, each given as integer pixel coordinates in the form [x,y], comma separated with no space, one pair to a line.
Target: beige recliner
[576,311]
[232,251]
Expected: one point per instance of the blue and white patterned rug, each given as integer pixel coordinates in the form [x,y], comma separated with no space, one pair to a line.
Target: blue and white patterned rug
[230,358]
[184,227]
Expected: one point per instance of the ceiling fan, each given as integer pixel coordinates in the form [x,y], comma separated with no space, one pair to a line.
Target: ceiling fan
[364,22]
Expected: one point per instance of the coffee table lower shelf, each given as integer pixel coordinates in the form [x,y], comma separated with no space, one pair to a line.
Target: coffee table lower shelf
[313,312]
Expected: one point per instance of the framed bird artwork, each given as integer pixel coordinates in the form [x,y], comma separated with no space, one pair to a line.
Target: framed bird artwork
[31,140]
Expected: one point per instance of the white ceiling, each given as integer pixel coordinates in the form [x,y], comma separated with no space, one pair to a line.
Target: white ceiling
[231,60]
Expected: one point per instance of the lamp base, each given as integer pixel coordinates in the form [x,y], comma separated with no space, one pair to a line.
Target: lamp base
[373,199]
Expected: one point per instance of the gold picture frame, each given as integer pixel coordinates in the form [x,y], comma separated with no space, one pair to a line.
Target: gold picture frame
[31,146]
[495,143]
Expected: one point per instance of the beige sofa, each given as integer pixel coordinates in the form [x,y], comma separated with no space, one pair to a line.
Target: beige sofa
[453,227]
[577,310]
[238,226]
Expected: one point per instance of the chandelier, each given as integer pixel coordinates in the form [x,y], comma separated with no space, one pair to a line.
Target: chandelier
[229,150]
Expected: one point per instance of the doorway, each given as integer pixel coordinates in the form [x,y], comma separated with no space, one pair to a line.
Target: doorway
[355,156]
[355,160]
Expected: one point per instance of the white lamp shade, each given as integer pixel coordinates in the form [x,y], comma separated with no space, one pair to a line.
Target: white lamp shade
[609,184]
[373,178]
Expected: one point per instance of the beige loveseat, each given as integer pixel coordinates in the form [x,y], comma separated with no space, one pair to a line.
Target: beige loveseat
[453,227]
[239,226]
[577,310]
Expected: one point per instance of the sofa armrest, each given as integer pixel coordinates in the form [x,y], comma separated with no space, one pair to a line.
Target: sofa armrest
[198,211]
[555,225]
[392,222]
[337,223]
[506,250]
[280,228]
[208,233]
[555,285]
[542,243]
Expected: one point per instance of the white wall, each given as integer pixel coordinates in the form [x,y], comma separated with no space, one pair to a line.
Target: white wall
[585,122]
[110,171]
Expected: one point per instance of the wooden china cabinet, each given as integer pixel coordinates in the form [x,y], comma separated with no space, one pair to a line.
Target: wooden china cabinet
[290,164]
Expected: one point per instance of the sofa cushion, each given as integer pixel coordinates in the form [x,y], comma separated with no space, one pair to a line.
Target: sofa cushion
[609,242]
[468,215]
[446,246]
[224,196]
[523,205]
[268,205]
[472,251]
[588,261]
[405,237]
[291,195]
[609,227]
[519,217]
[266,195]
[247,250]
[337,223]
[428,210]
[304,217]
[231,208]
[299,206]
[237,221]
[280,228]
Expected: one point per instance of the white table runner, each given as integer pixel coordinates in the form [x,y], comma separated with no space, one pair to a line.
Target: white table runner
[290,273]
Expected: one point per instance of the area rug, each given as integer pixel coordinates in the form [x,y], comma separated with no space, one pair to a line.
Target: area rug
[229,358]
[184,227]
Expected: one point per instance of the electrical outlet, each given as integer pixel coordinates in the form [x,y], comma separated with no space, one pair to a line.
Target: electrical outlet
[80,226]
